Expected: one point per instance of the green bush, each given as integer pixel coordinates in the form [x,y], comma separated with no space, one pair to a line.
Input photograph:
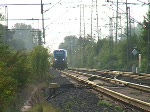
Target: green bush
[14,74]
[8,88]
[39,63]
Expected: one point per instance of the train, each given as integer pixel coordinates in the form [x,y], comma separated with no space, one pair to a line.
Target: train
[60,59]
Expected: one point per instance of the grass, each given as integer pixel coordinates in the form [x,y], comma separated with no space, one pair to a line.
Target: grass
[107,106]
[45,106]
[103,103]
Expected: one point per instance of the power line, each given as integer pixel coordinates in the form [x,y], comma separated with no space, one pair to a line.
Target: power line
[130,16]
[26,19]
[24,4]
[52,6]
[25,29]
[142,2]
[131,3]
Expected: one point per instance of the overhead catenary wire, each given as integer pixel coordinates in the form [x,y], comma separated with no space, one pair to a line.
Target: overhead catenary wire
[53,6]
[131,3]
[34,19]
[142,2]
[54,20]
[23,4]
[131,17]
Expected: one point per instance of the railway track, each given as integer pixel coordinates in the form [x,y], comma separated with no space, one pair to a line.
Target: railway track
[112,78]
[132,94]
[141,78]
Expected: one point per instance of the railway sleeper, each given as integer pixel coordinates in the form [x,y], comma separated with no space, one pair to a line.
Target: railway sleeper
[55,89]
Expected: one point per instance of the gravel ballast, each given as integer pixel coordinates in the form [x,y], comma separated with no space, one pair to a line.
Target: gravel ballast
[78,99]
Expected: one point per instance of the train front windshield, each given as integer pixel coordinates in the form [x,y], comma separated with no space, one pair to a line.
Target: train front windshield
[60,59]
[59,54]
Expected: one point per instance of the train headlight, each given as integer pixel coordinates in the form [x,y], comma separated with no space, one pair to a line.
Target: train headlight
[55,59]
[63,59]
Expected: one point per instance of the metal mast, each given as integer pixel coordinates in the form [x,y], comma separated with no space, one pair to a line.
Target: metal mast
[42,21]
[84,42]
[80,20]
[148,37]
[97,19]
[127,34]
[6,19]
[92,20]
[116,24]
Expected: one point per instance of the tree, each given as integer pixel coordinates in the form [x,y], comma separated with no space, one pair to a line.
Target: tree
[39,62]
[78,50]
[144,44]
[14,74]
[8,87]
[86,52]
[70,44]
[24,34]
[6,35]
[17,44]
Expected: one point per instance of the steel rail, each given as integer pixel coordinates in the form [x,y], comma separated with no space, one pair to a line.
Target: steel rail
[117,81]
[134,102]
[129,74]
[133,85]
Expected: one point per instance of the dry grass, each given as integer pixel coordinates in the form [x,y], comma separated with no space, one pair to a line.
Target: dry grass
[36,99]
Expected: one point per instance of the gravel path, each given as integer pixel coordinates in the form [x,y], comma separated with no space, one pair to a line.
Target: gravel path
[73,99]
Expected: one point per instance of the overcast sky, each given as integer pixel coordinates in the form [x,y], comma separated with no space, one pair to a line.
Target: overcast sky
[63,16]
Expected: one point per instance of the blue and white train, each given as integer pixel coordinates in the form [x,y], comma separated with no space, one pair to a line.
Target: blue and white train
[60,59]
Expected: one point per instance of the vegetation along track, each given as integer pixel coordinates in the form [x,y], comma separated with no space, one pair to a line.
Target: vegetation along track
[120,90]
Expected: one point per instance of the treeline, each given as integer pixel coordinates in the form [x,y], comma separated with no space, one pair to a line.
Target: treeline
[20,36]
[107,54]
[18,67]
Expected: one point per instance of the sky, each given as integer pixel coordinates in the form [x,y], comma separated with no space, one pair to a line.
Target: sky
[62,17]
